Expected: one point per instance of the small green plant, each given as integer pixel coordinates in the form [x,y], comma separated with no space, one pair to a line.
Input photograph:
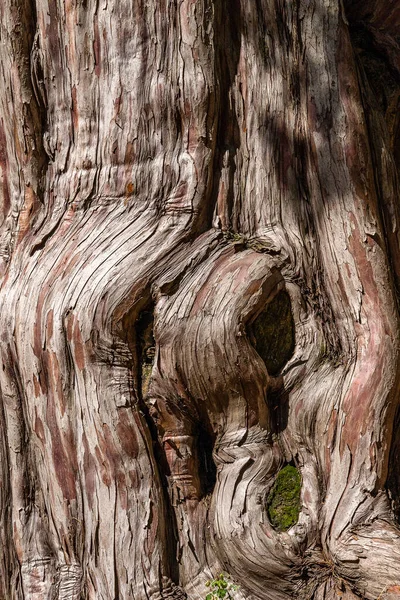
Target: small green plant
[221,587]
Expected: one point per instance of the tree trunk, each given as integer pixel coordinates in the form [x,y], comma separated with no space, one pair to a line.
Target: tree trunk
[200,261]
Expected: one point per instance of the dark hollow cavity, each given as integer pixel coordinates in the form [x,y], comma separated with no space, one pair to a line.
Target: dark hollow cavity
[273,333]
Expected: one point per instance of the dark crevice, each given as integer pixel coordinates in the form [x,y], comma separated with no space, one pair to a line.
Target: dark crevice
[380,83]
[383,79]
[38,106]
[139,335]
[144,354]
[145,349]
[207,468]
[278,404]
[227,54]
[273,333]
[47,236]
[393,480]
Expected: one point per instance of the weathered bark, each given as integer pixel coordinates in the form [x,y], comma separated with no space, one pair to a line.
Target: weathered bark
[168,173]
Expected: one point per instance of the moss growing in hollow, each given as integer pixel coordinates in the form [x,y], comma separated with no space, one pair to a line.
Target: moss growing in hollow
[283,502]
[273,331]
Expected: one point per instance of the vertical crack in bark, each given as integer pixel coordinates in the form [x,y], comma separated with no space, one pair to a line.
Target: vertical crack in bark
[24,118]
[227,55]
[393,481]
[379,79]
[380,93]
[143,348]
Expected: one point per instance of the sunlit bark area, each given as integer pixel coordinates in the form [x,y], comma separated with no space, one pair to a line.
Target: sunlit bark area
[200,260]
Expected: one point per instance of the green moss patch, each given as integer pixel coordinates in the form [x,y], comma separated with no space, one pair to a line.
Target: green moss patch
[273,331]
[283,502]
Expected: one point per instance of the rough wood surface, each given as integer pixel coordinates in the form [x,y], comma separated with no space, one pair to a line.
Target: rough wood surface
[166,169]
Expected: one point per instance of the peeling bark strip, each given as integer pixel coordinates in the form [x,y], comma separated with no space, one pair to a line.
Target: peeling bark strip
[199,252]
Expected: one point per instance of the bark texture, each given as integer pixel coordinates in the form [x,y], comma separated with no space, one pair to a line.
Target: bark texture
[172,176]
